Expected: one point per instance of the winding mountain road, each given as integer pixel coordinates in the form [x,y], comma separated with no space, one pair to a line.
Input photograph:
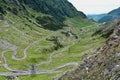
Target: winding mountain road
[15,72]
[23,72]
[18,73]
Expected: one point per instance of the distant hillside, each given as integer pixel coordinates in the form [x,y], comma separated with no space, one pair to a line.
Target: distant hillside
[96,17]
[111,15]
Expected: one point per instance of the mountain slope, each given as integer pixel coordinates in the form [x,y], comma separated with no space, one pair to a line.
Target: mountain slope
[96,17]
[103,64]
[57,8]
[55,11]
[37,45]
[111,15]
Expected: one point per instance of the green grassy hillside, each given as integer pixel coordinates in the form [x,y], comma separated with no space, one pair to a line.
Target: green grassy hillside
[19,33]
[37,45]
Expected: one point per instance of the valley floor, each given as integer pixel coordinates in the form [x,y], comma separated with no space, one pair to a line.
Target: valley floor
[34,57]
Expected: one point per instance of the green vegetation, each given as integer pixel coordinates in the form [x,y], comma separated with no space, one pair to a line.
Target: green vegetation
[38,77]
[2,78]
[79,22]
[64,33]
[49,22]
[39,49]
